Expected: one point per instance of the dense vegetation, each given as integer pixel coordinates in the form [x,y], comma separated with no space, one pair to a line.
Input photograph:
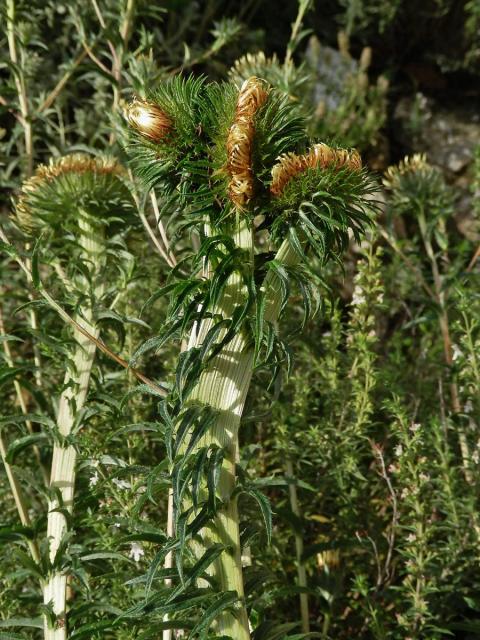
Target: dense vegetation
[239,329]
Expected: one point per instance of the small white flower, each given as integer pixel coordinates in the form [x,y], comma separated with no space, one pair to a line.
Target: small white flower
[424,477]
[468,408]
[411,537]
[475,456]
[117,525]
[93,479]
[398,450]
[136,551]
[414,427]
[121,484]
[358,296]
[456,352]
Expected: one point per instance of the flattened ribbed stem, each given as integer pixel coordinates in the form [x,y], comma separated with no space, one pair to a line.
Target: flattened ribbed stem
[72,399]
[224,386]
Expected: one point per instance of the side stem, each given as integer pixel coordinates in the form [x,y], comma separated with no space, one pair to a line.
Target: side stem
[301,573]
[72,399]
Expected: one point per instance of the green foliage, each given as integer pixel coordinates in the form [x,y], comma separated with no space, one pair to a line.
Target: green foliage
[358,451]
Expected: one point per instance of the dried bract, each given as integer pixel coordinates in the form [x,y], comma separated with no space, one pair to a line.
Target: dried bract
[320,156]
[240,141]
[148,119]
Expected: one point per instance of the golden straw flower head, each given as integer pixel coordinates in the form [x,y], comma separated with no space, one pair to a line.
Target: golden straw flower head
[252,96]
[148,119]
[320,156]
[57,191]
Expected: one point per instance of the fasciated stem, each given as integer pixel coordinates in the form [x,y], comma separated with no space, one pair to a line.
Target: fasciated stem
[223,386]
[72,400]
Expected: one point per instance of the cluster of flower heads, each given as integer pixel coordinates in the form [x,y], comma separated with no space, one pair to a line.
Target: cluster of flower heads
[320,156]
[150,121]
[251,98]
[75,164]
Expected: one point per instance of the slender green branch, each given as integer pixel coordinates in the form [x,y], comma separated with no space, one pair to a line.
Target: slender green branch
[20,84]
[303,7]
[301,573]
[20,501]
[21,399]
[443,321]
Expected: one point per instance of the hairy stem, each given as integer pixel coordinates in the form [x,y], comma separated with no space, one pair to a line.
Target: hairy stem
[72,400]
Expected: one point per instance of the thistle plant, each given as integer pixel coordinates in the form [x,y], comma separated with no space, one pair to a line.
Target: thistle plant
[262,206]
[74,203]
[417,188]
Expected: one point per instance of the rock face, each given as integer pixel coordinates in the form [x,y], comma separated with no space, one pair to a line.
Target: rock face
[334,69]
[449,137]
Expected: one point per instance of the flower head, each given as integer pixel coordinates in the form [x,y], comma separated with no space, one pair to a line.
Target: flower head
[410,164]
[68,177]
[320,156]
[251,97]
[148,119]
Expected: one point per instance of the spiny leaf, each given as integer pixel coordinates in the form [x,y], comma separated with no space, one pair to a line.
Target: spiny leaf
[221,603]
[265,508]
[198,569]
[37,623]
[20,444]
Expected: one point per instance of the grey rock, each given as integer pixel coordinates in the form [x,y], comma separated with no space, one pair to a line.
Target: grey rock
[448,136]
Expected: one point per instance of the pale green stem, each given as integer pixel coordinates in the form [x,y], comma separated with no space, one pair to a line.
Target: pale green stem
[72,399]
[303,7]
[224,386]
[301,573]
[20,85]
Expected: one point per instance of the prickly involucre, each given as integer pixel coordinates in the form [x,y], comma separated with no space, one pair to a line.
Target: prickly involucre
[56,191]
